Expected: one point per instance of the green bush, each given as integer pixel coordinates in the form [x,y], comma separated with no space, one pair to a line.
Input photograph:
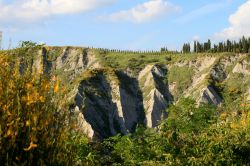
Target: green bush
[34,127]
[191,135]
[181,77]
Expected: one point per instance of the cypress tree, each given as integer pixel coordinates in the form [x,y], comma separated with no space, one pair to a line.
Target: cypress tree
[229,47]
[198,47]
[195,47]
[244,45]
[209,44]
[220,48]
[248,44]
[215,48]
[240,46]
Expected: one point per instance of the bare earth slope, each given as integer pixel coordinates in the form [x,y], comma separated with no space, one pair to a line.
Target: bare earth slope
[113,92]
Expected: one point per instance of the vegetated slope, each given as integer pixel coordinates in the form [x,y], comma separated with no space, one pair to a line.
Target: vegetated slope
[113,92]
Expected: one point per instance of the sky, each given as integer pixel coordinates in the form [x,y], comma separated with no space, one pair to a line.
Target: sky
[123,24]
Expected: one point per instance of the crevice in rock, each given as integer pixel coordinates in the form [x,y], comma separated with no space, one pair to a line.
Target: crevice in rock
[131,101]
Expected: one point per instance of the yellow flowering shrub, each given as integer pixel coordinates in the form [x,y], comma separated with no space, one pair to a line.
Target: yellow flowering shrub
[33,131]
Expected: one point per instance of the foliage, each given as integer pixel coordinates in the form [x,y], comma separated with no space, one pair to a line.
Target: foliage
[186,117]
[34,128]
[28,44]
[241,46]
[181,77]
[186,48]
[190,136]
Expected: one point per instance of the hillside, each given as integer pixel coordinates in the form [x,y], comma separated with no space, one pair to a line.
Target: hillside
[124,83]
[86,106]
[114,92]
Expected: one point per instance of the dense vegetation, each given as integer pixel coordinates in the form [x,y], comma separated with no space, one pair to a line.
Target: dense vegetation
[242,46]
[190,136]
[36,129]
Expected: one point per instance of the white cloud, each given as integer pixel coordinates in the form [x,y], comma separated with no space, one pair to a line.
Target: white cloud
[34,10]
[239,24]
[144,12]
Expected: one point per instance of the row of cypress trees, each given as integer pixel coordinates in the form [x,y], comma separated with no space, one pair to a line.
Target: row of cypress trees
[241,46]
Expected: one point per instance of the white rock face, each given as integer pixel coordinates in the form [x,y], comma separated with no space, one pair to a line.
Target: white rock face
[106,106]
[201,68]
[112,102]
[215,70]
[38,65]
[158,72]
[117,101]
[91,61]
[70,59]
[131,112]
[209,95]
[145,71]
[156,96]
[198,64]
[112,108]
[204,63]
[242,67]
[95,103]
[83,126]
[77,60]
[155,108]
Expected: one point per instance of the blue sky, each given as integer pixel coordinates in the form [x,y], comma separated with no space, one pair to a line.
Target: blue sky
[123,24]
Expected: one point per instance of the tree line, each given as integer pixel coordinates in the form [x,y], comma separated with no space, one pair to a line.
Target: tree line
[241,46]
[156,52]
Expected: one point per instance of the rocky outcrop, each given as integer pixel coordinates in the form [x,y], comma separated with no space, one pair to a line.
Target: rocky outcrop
[242,67]
[204,80]
[76,60]
[131,101]
[82,125]
[156,96]
[109,107]
[94,100]
[113,102]
[218,74]
[71,59]
[38,65]
[209,95]
[106,101]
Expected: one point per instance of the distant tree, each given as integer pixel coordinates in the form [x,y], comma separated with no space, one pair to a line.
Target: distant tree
[186,48]
[229,46]
[195,46]
[245,45]
[220,48]
[209,45]
[27,44]
[248,44]
[199,47]
[240,46]
[164,49]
